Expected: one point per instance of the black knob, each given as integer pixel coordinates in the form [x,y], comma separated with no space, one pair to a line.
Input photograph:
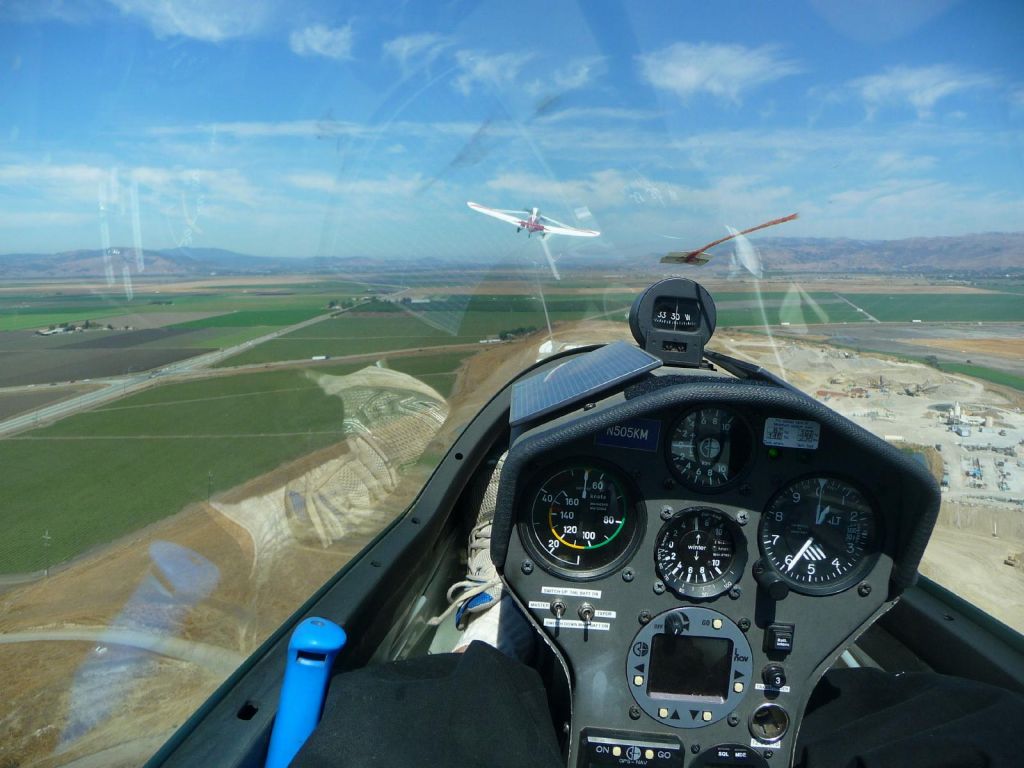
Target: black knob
[774,675]
[770,581]
[558,608]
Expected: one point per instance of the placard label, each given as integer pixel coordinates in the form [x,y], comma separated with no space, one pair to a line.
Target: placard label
[792,433]
[635,434]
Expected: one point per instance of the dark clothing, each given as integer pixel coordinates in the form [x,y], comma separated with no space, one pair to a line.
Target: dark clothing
[482,708]
[478,708]
[867,718]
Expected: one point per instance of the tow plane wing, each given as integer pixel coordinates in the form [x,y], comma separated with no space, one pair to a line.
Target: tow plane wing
[551,226]
[545,225]
[512,217]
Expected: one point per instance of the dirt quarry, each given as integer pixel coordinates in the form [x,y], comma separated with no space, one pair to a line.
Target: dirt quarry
[981,522]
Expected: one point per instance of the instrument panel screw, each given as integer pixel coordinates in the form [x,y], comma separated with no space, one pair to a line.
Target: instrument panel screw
[589,406]
[743,624]
[668,483]
[644,617]
[734,720]
[745,489]
[634,712]
[742,518]
[735,593]
[659,587]
[768,754]
[627,575]
[666,512]
[695,748]
[527,567]
[864,589]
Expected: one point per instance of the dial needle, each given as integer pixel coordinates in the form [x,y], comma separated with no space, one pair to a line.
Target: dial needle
[800,553]
[586,476]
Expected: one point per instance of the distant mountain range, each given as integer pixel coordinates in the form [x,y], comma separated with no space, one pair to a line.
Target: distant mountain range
[988,253]
[991,252]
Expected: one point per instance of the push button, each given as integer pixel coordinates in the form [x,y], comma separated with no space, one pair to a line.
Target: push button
[778,638]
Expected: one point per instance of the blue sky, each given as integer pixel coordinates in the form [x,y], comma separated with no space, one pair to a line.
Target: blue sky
[292,128]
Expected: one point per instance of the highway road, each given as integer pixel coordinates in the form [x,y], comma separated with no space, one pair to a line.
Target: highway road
[114,388]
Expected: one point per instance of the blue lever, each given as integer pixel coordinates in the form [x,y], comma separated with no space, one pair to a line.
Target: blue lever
[311,651]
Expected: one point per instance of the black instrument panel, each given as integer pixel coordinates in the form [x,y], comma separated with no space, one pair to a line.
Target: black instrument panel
[746,531]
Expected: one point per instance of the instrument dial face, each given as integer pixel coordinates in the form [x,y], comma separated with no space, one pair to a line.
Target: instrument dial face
[700,553]
[710,447]
[675,314]
[582,521]
[820,534]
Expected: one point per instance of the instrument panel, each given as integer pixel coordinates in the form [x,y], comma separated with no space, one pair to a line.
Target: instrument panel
[696,553]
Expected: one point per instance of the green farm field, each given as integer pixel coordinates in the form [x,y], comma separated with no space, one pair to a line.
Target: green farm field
[255,307]
[101,474]
[988,374]
[939,307]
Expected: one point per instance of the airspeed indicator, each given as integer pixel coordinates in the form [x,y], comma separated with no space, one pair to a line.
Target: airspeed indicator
[582,520]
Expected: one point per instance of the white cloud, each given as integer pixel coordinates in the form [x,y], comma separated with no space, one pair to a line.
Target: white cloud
[920,88]
[577,74]
[416,51]
[27,174]
[388,187]
[908,207]
[20,220]
[585,114]
[321,40]
[209,20]
[611,188]
[898,162]
[721,70]
[326,127]
[496,70]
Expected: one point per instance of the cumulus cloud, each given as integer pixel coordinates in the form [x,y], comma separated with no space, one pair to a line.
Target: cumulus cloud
[480,68]
[724,71]
[209,20]
[415,51]
[577,73]
[920,88]
[612,188]
[321,40]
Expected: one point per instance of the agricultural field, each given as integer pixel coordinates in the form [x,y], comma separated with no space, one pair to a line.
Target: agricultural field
[988,374]
[146,456]
[942,307]
[151,331]
[34,310]
[24,400]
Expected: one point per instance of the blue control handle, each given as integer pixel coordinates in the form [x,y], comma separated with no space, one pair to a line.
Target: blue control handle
[311,652]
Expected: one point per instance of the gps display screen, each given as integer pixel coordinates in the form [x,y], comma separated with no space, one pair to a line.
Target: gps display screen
[684,666]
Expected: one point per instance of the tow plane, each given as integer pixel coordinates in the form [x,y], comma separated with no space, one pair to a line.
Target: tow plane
[701,255]
[532,221]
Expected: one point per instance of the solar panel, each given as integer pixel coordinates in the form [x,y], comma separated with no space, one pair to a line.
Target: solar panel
[577,379]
